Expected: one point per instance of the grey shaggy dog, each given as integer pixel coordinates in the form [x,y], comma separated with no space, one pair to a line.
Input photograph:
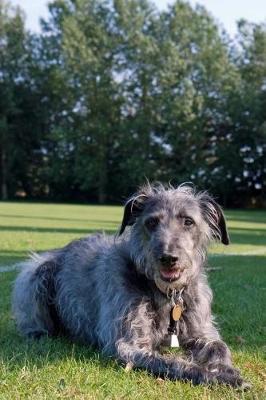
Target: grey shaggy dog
[117,292]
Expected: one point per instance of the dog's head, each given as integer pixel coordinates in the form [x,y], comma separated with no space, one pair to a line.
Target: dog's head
[170,231]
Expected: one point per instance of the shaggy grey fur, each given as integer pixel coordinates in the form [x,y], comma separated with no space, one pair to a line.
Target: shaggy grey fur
[111,292]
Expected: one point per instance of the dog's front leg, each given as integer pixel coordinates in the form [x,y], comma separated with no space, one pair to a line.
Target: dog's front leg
[162,366]
[174,368]
[203,344]
[136,346]
[214,356]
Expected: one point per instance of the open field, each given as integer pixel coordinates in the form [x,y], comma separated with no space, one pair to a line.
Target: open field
[57,369]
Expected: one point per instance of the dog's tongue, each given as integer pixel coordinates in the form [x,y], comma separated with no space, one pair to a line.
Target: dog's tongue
[170,274]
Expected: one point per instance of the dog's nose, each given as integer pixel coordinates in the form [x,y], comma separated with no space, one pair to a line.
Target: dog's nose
[168,260]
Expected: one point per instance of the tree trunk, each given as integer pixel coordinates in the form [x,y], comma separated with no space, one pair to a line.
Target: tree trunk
[102,180]
[4,194]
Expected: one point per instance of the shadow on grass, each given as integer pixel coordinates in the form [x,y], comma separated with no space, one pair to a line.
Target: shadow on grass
[26,217]
[19,351]
[248,236]
[238,236]
[82,231]
[258,216]
[11,257]
[16,254]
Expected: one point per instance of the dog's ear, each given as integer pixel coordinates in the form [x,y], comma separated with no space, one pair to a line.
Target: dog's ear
[133,208]
[215,218]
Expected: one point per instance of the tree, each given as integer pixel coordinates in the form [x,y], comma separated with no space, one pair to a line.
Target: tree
[242,153]
[12,56]
[113,92]
[250,112]
[87,50]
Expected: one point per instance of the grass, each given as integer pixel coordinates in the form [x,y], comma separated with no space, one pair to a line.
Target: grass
[58,369]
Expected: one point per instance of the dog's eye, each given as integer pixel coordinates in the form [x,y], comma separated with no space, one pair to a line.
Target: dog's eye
[188,221]
[151,223]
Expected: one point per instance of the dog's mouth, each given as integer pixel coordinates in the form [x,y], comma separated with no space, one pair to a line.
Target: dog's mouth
[170,275]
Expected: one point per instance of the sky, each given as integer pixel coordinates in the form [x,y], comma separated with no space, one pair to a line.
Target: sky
[226,12]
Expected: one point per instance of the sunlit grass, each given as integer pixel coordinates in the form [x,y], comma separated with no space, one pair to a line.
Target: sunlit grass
[58,369]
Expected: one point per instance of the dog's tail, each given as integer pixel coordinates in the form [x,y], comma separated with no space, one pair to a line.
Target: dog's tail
[34,296]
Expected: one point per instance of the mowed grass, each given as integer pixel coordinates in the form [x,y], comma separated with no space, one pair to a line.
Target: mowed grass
[58,369]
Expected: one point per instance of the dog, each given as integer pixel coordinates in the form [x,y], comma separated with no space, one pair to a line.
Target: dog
[132,293]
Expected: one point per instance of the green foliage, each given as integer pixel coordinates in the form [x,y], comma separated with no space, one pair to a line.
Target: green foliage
[11,67]
[120,92]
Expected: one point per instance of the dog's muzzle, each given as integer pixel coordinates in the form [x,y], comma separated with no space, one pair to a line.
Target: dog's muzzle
[169,269]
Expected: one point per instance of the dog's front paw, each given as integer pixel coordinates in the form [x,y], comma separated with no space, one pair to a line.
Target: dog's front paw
[230,376]
[220,368]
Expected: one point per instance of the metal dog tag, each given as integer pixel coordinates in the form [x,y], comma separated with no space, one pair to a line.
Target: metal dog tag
[176,312]
[174,341]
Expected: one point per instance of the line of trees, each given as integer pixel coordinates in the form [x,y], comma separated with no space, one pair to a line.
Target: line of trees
[113,92]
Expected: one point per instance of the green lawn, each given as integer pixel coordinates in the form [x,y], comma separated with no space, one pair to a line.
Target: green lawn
[57,369]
